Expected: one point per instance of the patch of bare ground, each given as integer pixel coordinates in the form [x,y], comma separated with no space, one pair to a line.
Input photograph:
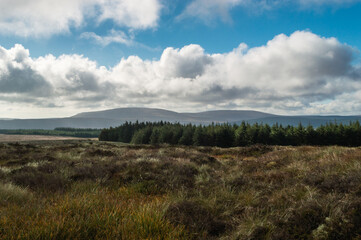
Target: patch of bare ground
[29,138]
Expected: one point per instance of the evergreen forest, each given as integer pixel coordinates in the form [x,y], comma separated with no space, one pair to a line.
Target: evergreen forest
[227,135]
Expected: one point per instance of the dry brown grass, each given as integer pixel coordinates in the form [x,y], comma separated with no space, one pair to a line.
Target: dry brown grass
[97,190]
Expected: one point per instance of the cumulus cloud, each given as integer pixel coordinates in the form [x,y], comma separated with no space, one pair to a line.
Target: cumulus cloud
[17,75]
[74,78]
[300,73]
[188,62]
[48,17]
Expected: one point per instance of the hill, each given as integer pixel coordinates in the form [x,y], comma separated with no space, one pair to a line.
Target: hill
[52,123]
[154,115]
[118,116]
[314,121]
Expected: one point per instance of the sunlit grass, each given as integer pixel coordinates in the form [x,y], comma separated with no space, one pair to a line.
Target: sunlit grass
[82,190]
[96,214]
[10,194]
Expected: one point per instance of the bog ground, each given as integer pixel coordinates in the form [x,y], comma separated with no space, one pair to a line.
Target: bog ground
[95,190]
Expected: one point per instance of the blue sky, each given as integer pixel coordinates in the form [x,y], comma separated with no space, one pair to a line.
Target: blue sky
[280,56]
[215,35]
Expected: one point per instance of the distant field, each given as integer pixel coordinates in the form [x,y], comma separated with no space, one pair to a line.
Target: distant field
[61,132]
[26,138]
[98,190]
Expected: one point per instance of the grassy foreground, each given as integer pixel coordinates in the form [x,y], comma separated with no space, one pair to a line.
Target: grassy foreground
[95,190]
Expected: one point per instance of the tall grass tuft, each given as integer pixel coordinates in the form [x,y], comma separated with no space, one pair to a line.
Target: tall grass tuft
[10,193]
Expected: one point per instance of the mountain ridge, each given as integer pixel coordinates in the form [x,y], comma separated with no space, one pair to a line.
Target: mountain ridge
[145,114]
[115,117]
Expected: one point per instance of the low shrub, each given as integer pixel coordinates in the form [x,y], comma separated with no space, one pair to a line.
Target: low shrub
[301,223]
[52,167]
[166,175]
[2,174]
[255,150]
[36,180]
[336,182]
[238,183]
[94,171]
[203,159]
[260,232]
[100,153]
[347,226]
[198,220]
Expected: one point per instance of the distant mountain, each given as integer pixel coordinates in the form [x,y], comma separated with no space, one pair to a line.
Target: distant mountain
[116,117]
[153,114]
[314,121]
[229,115]
[134,114]
[52,123]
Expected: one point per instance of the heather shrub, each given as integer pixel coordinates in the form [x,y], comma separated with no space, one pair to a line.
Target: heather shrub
[301,223]
[35,180]
[165,175]
[94,171]
[100,153]
[197,219]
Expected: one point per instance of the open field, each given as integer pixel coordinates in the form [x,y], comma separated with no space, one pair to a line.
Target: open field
[96,190]
[29,138]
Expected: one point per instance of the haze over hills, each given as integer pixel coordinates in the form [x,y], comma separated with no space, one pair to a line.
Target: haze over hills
[314,121]
[154,114]
[116,117]
[140,114]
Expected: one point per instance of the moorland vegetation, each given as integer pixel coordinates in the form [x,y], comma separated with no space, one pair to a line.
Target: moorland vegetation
[102,190]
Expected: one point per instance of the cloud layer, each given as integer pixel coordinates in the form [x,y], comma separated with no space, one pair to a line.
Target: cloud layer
[41,18]
[300,73]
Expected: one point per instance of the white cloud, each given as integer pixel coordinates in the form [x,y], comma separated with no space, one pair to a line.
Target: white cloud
[18,76]
[300,73]
[113,37]
[47,17]
[209,9]
[188,62]
[139,14]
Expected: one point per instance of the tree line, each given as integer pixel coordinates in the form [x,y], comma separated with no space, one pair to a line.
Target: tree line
[228,135]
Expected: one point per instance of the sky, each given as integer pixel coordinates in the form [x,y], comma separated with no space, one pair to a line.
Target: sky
[291,57]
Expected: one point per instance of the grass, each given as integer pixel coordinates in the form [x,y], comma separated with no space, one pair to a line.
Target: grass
[97,214]
[10,193]
[97,190]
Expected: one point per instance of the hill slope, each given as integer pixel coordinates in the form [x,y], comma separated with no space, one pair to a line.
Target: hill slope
[116,117]
[153,114]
